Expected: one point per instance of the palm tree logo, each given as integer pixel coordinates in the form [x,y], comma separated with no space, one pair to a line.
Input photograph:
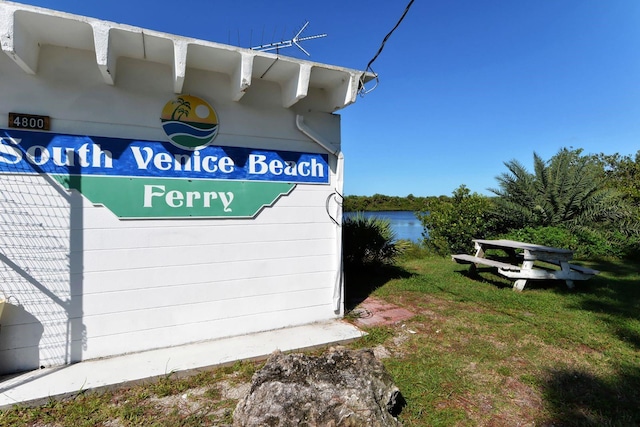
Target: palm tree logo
[183,108]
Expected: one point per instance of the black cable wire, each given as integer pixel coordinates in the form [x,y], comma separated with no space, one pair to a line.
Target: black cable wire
[384,41]
[389,35]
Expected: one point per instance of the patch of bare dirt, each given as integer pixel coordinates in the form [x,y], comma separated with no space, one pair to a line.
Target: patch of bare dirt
[203,399]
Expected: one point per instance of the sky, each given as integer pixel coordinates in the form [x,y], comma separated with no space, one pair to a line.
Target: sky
[464,85]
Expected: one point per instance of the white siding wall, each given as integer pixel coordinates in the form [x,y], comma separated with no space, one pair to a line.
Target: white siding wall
[84,284]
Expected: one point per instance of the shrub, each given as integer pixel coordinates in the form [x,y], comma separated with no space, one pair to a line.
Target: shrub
[367,241]
[451,223]
[557,237]
[586,243]
[607,244]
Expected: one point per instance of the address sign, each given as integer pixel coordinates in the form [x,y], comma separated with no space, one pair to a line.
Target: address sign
[29,121]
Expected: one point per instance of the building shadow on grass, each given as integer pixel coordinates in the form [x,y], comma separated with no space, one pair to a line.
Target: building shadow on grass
[484,274]
[614,297]
[576,398]
[360,282]
[490,276]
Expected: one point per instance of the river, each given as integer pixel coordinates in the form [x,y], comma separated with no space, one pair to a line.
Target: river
[403,223]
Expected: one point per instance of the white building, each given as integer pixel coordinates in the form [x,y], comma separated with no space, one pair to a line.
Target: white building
[157,190]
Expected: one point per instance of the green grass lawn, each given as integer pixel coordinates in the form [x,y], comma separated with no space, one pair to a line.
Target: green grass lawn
[483,354]
[475,354]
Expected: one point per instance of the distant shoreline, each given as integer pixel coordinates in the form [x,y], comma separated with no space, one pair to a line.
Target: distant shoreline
[380,202]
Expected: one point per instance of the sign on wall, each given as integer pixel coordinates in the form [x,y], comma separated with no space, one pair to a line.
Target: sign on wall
[189,122]
[150,179]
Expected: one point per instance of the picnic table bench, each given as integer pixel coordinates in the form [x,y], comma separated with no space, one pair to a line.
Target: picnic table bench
[522,257]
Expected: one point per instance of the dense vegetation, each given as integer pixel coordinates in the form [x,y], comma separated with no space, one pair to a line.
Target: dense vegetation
[588,203]
[453,222]
[566,191]
[623,174]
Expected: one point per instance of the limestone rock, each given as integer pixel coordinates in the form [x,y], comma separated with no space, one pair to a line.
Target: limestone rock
[340,388]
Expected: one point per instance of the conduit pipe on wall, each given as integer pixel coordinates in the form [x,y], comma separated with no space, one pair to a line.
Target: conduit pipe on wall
[338,281]
[302,127]
[338,290]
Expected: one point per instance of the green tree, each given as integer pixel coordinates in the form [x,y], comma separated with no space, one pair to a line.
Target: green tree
[567,190]
[452,223]
[622,173]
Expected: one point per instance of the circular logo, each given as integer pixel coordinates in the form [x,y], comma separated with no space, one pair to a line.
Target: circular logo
[189,122]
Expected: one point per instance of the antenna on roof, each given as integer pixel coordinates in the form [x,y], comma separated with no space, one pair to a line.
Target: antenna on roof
[288,43]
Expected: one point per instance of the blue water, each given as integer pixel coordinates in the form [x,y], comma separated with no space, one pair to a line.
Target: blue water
[404,223]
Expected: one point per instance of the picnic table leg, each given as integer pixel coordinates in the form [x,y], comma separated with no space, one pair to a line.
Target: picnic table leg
[479,251]
[565,267]
[473,269]
[519,284]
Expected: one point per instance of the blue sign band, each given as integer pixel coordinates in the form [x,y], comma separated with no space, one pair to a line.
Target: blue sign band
[43,152]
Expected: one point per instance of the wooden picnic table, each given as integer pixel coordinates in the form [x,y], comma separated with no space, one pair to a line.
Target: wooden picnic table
[522,257]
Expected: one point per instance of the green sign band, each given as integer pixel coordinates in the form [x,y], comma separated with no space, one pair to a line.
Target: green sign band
[129,197]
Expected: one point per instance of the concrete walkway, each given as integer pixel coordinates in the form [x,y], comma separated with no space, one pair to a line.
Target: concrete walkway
[39,386]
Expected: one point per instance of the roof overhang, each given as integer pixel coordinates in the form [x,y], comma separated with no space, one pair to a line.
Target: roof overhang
[25,29]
